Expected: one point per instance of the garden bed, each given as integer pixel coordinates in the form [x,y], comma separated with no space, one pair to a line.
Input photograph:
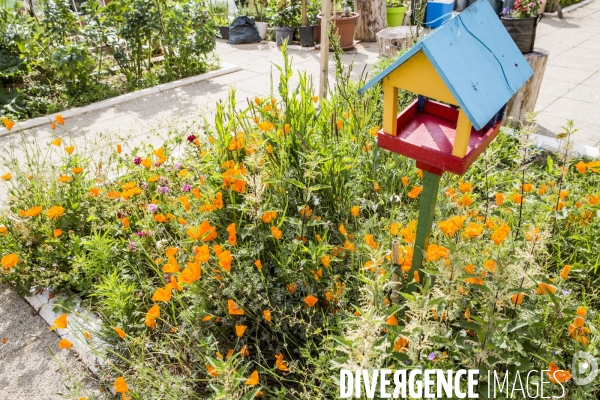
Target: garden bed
[258,259]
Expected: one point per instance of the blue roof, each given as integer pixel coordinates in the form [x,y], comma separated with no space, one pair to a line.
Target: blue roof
[476,58]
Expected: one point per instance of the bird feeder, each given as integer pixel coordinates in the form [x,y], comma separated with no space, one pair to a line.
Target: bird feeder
[464,73]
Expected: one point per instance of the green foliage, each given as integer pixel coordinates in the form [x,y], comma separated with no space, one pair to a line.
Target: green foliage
[284,13]
[299,184]
[11,64]
[73,65]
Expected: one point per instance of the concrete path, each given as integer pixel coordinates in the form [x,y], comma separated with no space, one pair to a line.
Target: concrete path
[31,364]
[571,86]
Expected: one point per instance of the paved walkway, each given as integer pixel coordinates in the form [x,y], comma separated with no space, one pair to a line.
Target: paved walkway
[571,90]
[571,86]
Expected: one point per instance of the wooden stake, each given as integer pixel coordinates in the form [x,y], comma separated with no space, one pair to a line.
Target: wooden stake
[395,274]
[431,185]
[324,49]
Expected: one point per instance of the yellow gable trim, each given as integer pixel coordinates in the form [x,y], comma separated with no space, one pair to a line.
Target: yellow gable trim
[418,75]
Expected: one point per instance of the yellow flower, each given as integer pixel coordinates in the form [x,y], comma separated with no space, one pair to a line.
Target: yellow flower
[64,178]
[7,176]
[120,332]
[59,119]
[355,210]
[326,260]
[60,322]
[565,271]
[57,233]
[64,344]
[57,142]
[77,170]
[70,149]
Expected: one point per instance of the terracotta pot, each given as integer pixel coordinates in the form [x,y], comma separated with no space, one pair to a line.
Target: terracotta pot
[317,33]
[344,27]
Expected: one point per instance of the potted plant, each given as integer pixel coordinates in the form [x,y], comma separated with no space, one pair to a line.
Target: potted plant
[307,38]
[219,12]
[314,7]
[259,14]
[521,22]
[284,19]
[344,23]
[395,12]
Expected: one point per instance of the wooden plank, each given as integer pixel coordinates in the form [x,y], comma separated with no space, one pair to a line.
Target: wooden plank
[324,49]
[463,134]
[418,75]
[431,185]
[524,100]
[390,108]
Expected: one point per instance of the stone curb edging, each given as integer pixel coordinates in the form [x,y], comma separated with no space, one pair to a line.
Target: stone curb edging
[79,321]
[113,101]
[553,145]
[569,8]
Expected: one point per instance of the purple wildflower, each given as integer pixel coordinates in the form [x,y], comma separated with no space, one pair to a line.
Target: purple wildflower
[157,164]
[119,214]
[144,185]
[177,165]
[163,189]
[186,188]
[431,356]
[137,161]
[132,247]
[152,208]
[140,234]
[167,279]
[191,138]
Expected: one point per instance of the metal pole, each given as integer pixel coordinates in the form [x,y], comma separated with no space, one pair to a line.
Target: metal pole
[324,49]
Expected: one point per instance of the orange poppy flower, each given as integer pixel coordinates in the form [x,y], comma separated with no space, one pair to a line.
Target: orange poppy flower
[291,288]
[253,380]
[240,330]
[64,344]
[499,199]
[175,284]
[171,267]
[465,187]
[392,321]
[544,288]
[64,178]
[8,123]
[258,264]
[276,232]
[120,332]
[119,149]
[59,119]
[415,192]
[120,385]
[557,375]
[69,149]
[162,294]
[474,281]
[225,260]
[10,260]
[57,233]
[57,142]
[376,187]
[55,211]
[233,308]
[517,299]
[315,99]
[311,300]
[7,176]
[244,351]
[267,315]
[279,363]
[401,344]
[326,260]
[404,181]
[60,322]
[338,124]
[151,315]
[565,272]
[500,234]
[354,211]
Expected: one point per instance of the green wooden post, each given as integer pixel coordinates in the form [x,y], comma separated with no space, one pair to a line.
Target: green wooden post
[431,185]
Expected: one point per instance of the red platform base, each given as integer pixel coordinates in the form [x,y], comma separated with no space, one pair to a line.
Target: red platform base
[427,136]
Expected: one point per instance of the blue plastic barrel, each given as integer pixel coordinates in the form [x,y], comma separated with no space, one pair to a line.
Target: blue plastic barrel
[438,12]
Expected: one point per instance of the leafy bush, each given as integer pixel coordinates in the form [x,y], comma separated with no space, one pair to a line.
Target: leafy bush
[70,59]
[253,254]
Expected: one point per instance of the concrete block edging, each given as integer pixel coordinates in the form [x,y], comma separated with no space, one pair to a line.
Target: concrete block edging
[113,101]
